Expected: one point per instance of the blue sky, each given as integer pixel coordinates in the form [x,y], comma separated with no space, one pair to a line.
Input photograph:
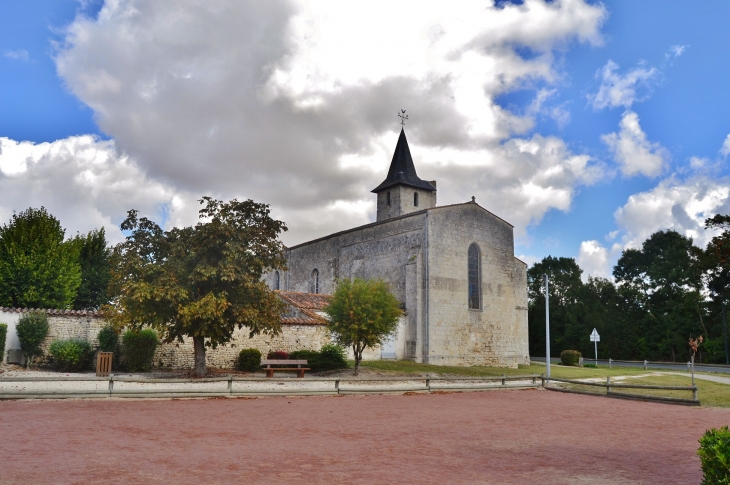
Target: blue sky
[194,102]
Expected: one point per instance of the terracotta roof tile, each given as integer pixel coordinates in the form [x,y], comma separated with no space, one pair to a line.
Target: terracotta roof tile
[53,311]
[305,301]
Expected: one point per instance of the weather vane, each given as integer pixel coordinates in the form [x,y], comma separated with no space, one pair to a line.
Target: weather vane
[403,117]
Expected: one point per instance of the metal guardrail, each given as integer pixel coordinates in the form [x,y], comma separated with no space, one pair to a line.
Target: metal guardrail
[610,385]
[231,391]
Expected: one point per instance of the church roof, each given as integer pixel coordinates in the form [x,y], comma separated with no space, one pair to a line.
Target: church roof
[307,308]
[402,171]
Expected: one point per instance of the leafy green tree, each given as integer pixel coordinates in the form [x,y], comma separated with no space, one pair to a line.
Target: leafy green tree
[38,269]
[665,277]
[32,328]
[200,282]
[716,265]
[95,270]
[363,314]
[566,287]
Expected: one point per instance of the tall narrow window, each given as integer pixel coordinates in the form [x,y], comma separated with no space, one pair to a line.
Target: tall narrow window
[387,197]
[276,280]
[315,281]
[475,293]
[415,199]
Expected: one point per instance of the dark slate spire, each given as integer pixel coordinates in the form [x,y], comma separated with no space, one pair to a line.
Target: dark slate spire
[402,170]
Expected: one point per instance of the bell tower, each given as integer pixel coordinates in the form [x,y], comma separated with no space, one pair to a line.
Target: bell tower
[402,192]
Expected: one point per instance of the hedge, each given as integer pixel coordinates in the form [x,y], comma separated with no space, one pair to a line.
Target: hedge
[3,336]
[32,328]
[715,456]
[570,357]
[71,355]
[249,360]
[277,355]
[107,339]
[331,357]
[139,349]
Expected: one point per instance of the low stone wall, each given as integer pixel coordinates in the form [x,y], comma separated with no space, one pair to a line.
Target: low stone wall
[292,337]
[86,326]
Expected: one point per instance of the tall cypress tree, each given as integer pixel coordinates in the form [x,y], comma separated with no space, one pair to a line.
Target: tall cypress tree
[95,270]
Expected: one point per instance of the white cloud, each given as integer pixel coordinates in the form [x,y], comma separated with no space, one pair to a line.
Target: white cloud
[632,151]
[725,150]
[623,90]
[20,54]
[593,260]
[294,103]
[680,205]
[86,183]
[676,51]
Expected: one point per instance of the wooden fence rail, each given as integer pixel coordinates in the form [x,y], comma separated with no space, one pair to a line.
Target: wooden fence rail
[410,384]
[608,385]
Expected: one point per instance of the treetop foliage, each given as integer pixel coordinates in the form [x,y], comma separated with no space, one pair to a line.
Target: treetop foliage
[38,269]
[202,281]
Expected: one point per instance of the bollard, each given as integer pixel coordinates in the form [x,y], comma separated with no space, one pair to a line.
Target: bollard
[534,379]
[337,385]
[688,367]
[504,377]
[694,394]
[609,363]
[608,385]
[542,380]
[111,384]
[580,361]
[646,364]
[428,384]
[230,384]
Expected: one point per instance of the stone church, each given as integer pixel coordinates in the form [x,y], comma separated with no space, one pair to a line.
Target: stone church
[452,267]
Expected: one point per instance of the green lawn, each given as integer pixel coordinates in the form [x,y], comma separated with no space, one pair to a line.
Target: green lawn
[408,367]
[710,393]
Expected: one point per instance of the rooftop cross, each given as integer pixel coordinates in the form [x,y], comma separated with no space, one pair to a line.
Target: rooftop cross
[403,117]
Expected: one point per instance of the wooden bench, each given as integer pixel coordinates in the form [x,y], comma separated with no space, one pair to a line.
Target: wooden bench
[267,363]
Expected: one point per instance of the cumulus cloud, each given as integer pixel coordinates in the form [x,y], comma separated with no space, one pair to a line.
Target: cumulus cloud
[681,205]
[631,149]
[618,90]
[19,55]
[294,103]
[86,183]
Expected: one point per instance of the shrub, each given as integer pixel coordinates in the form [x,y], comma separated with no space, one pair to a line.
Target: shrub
[715,456]
[139,349]
[32,328]
[108,339]
[249,360]
[279,354]
[331,357]
[3,336]
[591,366]
[71,355]
[570,357]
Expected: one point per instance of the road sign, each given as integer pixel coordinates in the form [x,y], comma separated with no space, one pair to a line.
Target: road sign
[595,337]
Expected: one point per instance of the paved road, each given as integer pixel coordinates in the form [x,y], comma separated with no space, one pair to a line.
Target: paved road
[652,365]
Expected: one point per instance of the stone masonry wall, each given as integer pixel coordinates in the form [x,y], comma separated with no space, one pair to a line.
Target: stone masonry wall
[458,335]
[180,356]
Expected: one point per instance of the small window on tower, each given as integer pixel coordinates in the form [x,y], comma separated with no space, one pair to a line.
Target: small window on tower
[415,199]
[387,197]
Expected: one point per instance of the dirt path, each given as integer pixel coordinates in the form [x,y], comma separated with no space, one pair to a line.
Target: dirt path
[496,437]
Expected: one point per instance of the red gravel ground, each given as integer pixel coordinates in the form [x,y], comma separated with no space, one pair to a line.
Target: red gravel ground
[497,437]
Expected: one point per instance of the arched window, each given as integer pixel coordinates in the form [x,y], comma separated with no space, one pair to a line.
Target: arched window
[475,279]
[315,281]
[387,197]
[276,280]
[415,199]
